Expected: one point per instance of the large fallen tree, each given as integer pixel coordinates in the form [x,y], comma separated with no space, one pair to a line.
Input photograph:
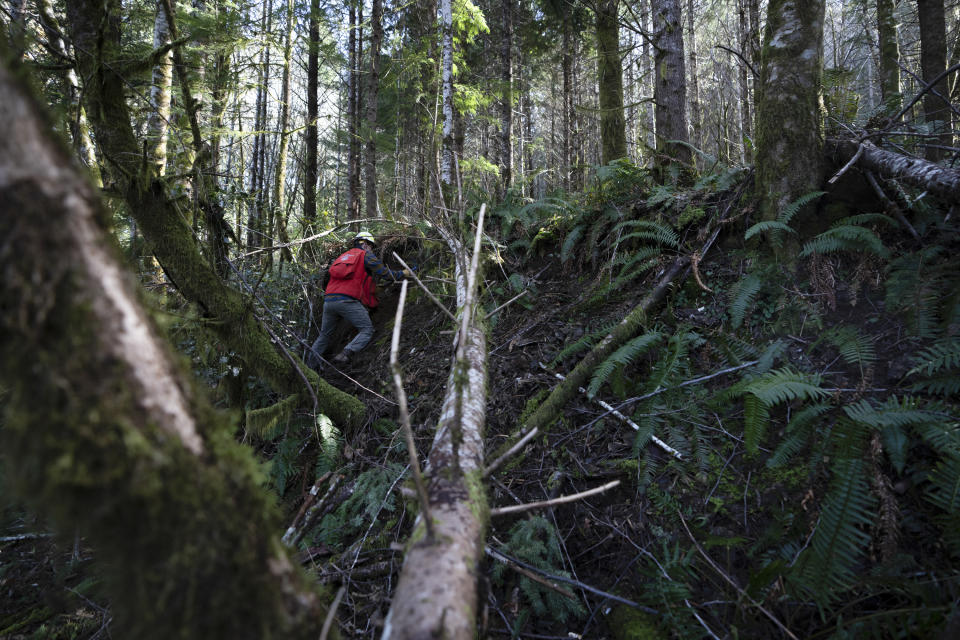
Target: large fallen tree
[105,434]
[923,174]
[436,595]
[95,28]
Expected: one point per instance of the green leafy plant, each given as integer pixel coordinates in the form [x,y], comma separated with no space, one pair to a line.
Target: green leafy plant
[848,235]
[767,391]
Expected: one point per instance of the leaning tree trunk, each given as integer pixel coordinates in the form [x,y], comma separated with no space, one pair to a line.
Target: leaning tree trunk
[95,30]
[670,88]
[103,433]
[789,116]
[613,127]
[436,595]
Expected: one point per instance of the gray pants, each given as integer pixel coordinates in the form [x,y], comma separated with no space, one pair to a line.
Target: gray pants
[353,312]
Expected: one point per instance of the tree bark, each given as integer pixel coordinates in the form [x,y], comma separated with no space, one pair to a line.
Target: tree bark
[746,100]
[670,88]
[311,138]
[95,28]
[889,56]
[280,176]
[695,133]
[613,132]
[158,122]
[132,456]
[353,117]
[436,595]
[506,100]
[373,87]
[789,116]
[933,61]
[446,155]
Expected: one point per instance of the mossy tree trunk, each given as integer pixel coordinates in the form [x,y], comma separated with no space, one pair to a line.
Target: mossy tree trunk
[613,127]
[789,115]
[889,56]
[95,30]
[670,88]
[103,432]
[933,62]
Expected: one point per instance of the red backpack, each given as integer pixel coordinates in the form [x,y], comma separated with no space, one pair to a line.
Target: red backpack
[349,276]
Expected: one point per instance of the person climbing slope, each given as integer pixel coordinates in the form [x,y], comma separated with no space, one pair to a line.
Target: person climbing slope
[350,292]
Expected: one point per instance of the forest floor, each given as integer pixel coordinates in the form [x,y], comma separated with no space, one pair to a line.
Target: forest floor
[684,539]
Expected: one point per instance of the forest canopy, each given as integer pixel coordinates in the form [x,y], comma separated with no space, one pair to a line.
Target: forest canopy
[666,344]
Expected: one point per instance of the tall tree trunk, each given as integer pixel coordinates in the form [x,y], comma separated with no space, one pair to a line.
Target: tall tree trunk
[79,129]
[695,135]
[889,56]
[353,116]
[613,132]
[649,81]
[790,105]
[446,156]
[670,90]
[746,99]
[933,62]
[373,87]
[506,100]
[313,111]
[134,457]
[158,122]
[280,177]
[95,30]
[568,115]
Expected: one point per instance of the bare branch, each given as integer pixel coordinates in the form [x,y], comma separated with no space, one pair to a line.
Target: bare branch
[549,503]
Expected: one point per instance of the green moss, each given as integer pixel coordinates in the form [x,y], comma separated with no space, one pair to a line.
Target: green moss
[626,623]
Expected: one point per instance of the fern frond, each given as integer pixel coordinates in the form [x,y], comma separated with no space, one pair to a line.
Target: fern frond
[621,358]
[855,348]
[941,356]
[763,393]
[643,253]
[742,298]
[585,342]
[649,230]
[798,432]
[673,360]
[891,413]
[845,238]
[791,209]
[915,283]
[766,226]
[566,251]
[944,488]
[869,218]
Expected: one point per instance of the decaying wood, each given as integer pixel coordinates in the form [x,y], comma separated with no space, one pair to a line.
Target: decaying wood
[938,180]
[436,596]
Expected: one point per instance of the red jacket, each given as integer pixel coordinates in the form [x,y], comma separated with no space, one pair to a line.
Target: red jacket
[348,276]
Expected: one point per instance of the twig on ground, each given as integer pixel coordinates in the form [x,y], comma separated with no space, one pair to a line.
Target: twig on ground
[512,450]
[293,536]
[549,503]
[405,414]
[501,556]
[533,576]
[513,299]
[307,503]
[660,443]
[331,614]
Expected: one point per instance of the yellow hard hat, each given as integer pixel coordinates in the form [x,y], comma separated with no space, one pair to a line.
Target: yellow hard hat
[366,236]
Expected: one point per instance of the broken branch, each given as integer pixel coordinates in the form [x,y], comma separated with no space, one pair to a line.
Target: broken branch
[549,503]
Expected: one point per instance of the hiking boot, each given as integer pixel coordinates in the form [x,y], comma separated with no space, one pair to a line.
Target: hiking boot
[342,358]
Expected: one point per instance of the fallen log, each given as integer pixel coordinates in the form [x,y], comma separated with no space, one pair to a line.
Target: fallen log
[436,595]
[923,174]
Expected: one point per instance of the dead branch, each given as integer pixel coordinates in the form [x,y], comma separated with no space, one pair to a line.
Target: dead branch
[405,414]
[496,463]
[424,287]
[941,181]
[550,503]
